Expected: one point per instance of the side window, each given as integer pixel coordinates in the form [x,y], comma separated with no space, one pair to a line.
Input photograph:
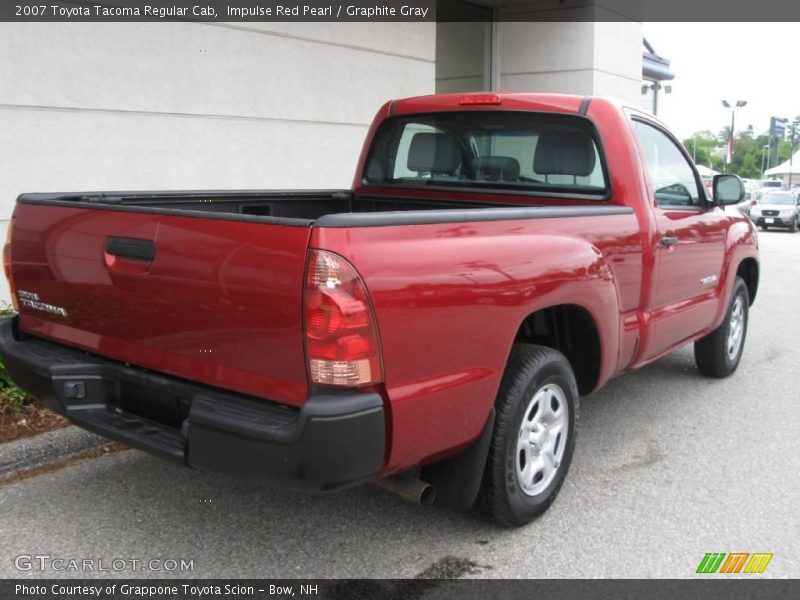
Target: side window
[670,173]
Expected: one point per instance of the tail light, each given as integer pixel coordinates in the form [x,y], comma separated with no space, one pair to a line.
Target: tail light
[480,99]
[341,335]
[7,267]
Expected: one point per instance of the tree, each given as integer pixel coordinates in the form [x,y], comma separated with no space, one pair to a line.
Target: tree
[702,148]
[709,150]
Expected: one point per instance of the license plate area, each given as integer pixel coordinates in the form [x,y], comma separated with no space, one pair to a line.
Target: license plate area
[769,220]
[154,403]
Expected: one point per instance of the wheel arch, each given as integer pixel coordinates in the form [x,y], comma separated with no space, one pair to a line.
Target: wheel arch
[572,330]
[748,270]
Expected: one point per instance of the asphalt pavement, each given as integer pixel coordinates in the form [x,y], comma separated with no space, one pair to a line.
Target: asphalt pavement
[669,466]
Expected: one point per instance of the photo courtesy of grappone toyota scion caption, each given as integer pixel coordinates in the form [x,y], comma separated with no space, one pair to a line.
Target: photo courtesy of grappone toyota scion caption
[430,329]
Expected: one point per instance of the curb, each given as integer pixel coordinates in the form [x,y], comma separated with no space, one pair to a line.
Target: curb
[46,448]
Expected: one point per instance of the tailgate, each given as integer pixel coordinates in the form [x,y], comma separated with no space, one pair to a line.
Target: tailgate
[210,300]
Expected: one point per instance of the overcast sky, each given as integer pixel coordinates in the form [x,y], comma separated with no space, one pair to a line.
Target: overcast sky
[757,62]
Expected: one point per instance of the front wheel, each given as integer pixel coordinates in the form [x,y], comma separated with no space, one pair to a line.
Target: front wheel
[793,227]
[534,435]
[718,354]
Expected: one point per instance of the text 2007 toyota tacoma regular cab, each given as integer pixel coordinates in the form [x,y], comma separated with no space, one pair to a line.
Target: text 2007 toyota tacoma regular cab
[497,257]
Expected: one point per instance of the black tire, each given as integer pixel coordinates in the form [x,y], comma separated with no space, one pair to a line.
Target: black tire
[530,370]
[764,227]
[793,227]
[712,353]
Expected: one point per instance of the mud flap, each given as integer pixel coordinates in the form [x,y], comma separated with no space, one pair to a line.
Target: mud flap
[457,480]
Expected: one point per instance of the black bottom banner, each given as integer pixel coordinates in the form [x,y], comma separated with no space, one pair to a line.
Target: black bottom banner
[397,589]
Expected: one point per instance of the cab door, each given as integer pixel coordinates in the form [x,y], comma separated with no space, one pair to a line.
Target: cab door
[689,241]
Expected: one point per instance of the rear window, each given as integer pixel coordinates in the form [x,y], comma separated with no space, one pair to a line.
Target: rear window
[778,199]
[518,151]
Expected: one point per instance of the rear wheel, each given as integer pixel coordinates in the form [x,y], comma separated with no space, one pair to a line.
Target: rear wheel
[534,435]
[718,354]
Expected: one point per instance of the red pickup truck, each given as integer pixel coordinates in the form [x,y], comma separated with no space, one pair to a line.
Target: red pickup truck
[498,256]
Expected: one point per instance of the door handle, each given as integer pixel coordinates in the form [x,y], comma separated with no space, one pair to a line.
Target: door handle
[131,248]
[669,240]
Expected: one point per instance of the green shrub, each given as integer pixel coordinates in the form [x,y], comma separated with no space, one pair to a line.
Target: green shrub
[12,399]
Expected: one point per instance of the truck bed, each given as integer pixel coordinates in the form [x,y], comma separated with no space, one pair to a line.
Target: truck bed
[322,208]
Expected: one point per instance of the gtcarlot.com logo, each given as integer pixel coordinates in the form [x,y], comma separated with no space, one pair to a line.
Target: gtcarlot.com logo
[734,562]
[46,562]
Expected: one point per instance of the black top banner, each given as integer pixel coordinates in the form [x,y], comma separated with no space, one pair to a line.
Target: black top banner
[233,11]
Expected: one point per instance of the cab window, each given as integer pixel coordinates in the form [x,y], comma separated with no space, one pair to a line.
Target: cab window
[503,150]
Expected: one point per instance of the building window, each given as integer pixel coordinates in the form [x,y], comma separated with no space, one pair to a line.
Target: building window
[463,47]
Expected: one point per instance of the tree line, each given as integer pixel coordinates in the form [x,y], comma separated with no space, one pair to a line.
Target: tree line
[749,150]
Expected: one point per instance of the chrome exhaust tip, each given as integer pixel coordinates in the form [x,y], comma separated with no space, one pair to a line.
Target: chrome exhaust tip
[409,488]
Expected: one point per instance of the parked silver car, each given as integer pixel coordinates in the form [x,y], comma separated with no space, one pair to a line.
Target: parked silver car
[776,209]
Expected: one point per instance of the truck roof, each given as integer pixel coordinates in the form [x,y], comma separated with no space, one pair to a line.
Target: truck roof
[562,103]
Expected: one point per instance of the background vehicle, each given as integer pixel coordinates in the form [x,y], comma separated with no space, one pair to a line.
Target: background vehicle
[497,257]
[776,209]
[768,185]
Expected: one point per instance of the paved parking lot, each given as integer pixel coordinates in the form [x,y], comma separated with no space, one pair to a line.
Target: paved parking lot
[669,466]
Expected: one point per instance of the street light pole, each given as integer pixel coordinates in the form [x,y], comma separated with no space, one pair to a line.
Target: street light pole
[763,148]
[726,104]
[791,150]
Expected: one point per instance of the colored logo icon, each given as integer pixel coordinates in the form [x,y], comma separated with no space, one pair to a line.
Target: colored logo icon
[735,562]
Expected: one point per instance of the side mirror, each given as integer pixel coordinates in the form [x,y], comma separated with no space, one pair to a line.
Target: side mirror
[728,189]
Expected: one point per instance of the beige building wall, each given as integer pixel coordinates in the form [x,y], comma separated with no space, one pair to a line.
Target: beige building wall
[601,59]
[462,59]
[565,46]
[135,106]
[559,46]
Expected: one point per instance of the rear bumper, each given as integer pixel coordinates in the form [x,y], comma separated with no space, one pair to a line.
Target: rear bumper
[774,221]
[335,440]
